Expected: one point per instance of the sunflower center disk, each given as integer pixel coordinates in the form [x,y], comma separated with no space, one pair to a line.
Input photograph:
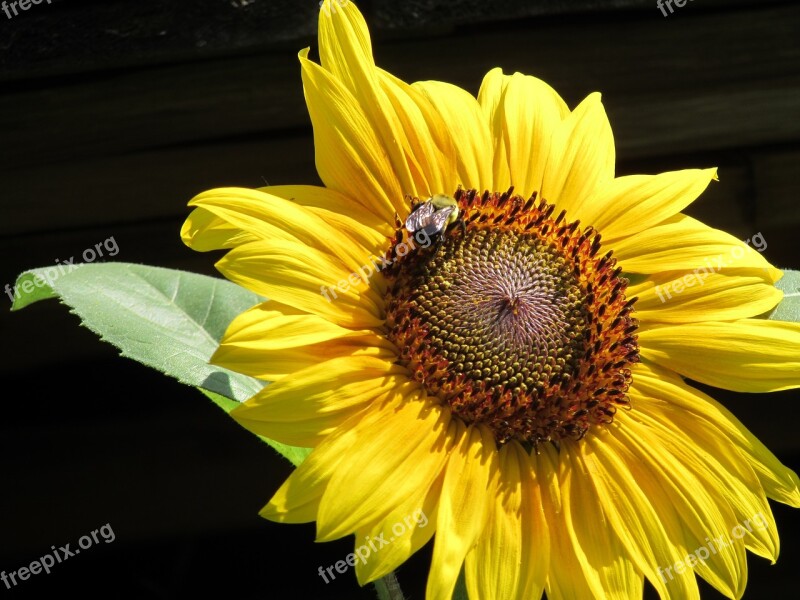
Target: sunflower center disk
[514,320]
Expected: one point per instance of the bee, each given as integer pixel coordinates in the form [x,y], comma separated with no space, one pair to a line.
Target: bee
[434,216]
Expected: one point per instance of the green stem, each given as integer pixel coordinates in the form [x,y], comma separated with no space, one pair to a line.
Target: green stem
[388,588]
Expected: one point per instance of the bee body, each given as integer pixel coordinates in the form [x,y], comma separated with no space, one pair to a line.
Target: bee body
[434,215]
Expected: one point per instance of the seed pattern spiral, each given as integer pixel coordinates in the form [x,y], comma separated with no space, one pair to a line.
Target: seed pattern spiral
[516,322]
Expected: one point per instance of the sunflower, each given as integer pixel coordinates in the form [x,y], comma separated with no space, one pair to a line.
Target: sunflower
[505,362]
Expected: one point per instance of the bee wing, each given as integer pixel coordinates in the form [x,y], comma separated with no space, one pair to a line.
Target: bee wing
[440,216]
[438,221]
[419,216]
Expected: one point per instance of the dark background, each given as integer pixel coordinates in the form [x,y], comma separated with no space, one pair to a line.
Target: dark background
[114,114]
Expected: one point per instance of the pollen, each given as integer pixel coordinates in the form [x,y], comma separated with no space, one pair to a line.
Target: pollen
[516,320]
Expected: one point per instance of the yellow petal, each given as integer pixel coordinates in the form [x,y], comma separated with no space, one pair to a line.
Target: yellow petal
[297,275]
[779,482]
[599,562]
[268,217]
[632,516]
[685,244]
[463,118]
[268,344]
[341,212]
[350,157]
[302,408]
[490,98]
[431,158]
[687,496]
[407,451]
[263,328]
[681,297]
[580,159]
[718,467]
[346,52]
[633,203]
[509,562]
[271,365]
[748,355]
[297,500]
[526,122]
[407,528]
[565,579]
[203,231]
[463,508]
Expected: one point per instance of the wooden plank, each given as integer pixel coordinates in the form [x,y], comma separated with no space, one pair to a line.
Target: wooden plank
[391,15]
[725,204]
[158,184]
[114,113]
[778,188]
[68,37]
[745,90]
[145,185]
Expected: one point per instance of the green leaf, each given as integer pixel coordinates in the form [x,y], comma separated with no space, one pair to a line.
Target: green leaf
[460,592]
[169,320]
[789,307]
